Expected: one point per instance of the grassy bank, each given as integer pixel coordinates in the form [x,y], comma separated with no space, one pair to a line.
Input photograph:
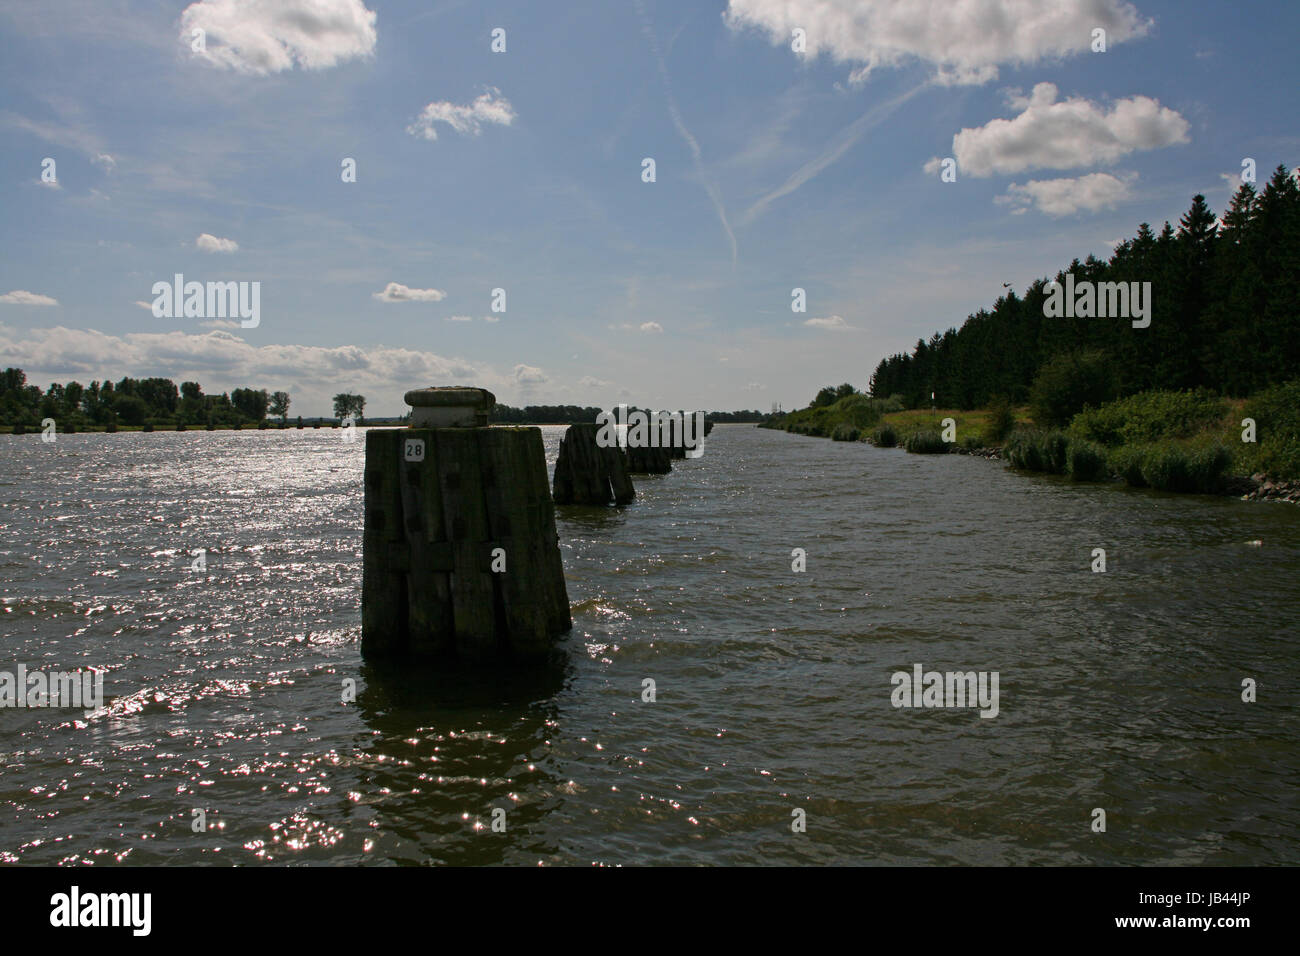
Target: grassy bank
[1191,441]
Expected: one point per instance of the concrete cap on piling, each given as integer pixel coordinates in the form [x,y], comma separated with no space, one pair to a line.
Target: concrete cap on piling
[450,406]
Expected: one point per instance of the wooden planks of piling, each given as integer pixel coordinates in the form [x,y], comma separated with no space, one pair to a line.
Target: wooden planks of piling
[587,474]
[461,556]
[649,461]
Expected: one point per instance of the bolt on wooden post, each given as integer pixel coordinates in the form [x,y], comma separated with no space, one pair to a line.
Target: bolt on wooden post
[461,556]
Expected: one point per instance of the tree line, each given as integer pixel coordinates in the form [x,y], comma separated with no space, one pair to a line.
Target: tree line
[133,401]
[1225,316]
[571,414]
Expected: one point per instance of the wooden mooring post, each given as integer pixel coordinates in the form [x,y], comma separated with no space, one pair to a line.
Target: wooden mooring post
[461,558]
[649,461]
[587,474]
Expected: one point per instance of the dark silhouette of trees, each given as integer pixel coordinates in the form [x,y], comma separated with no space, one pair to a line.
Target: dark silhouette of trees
[1225,315]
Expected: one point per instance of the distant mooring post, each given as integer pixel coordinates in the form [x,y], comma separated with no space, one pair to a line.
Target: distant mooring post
[588,474]
[461,557]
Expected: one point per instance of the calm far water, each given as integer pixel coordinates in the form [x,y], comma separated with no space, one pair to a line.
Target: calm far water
[1119,690]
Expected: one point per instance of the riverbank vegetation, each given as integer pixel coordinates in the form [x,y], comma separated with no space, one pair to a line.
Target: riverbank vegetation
[132,402]
[1162,403]
[1224,315]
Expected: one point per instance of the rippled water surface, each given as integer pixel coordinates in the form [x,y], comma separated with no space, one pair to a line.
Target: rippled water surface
[223,690]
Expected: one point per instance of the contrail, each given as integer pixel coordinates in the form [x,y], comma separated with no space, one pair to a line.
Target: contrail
[709,187]
[850,135]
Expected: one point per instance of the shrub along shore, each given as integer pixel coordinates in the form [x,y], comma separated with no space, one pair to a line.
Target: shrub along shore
[1191,441]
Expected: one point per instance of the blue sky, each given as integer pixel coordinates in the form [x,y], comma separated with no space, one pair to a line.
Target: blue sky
[522,170]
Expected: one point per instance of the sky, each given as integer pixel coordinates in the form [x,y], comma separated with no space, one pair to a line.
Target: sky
[896,160]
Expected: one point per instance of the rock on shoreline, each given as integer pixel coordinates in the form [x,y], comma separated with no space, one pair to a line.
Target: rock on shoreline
[1257,487]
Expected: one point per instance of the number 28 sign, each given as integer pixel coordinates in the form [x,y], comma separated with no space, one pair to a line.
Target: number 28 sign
[414,449]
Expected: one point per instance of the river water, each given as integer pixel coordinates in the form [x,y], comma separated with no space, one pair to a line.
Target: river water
[224,689]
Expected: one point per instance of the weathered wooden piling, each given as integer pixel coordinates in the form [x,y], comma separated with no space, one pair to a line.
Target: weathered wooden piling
[461,557]
[587,474]
[648,461]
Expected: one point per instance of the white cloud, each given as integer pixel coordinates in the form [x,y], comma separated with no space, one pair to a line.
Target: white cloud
[649,328]
[1065,135]
[829,322]
[269,36]
[22,297]
[221,360]
[964,40]
[220,324]
[396,292]
[488,107]
[144,305]
[458,318]
[588,381]
[210,243]
[527,375]
[105,160]
[1063,197]
[1231,182]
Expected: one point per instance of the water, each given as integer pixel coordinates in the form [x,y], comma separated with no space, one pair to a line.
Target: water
[224,691]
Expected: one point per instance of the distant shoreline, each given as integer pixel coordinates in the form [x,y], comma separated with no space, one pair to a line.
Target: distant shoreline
[277,427]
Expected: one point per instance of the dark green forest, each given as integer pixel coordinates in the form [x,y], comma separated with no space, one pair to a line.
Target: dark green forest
[1225,317]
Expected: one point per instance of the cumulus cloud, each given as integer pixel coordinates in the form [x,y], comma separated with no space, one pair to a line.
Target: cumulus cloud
[488,107]
[105,160]
[396,292]
[648,328]
[588,381]
[1075,132]
[1064,197]
[965,41]
[221,360]
[828,322]
[1231,182]
[23,297]
[269,36]
[209,243]
[527,375]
